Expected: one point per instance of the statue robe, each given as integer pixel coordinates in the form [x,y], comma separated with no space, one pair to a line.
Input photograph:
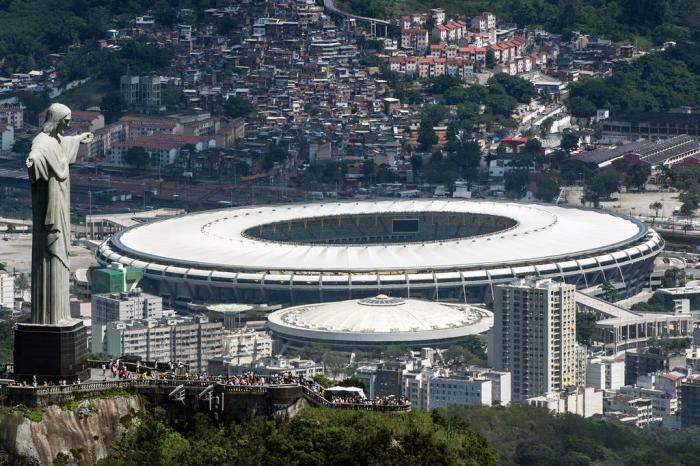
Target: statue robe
[51,226]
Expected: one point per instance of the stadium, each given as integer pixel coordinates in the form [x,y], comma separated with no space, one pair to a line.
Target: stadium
[434,249]
[376,322]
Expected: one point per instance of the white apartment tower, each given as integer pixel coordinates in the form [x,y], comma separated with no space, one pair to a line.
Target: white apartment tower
[534,336]
[7,290]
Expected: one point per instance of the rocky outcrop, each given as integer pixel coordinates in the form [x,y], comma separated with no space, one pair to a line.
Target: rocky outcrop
[79,434]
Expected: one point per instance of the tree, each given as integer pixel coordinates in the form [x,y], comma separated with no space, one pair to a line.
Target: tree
[656,207]
[112,105]
[426,135]
[547,189]
[690,202]
[416,163]
[637,176]
[608,291]
[22,146]
[602,185]
[236,107]
[468,157]
[137,157]
[490,59]
[533,146]
[673,277]
[350,382]
[22,283]
[516,182]
[569,142]
[585,327]
[518,88]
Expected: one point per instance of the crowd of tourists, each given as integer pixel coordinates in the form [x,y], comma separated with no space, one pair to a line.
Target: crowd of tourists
[116,369]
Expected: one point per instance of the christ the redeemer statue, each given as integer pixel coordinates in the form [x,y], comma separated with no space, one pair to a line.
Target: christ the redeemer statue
[47,164]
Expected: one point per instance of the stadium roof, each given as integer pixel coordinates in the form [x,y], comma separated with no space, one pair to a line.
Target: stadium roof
[216,239]
[381,318]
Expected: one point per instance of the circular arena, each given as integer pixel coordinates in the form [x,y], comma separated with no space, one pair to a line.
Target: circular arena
[435,249]
[376,322]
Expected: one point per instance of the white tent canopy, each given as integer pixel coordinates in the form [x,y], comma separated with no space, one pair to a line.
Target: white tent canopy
[347,391]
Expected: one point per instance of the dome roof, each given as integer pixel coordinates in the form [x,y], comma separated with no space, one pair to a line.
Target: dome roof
[381,318]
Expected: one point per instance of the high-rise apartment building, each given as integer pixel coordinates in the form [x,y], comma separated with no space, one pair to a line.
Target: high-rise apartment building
[125,306]
[534,336]
[141,91]
[7,290]
[121,307]
[190,341]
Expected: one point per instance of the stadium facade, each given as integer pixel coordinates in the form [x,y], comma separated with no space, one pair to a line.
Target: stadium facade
[446,250]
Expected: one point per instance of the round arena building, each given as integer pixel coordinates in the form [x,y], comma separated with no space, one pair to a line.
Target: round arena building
[377,322]
[434,249]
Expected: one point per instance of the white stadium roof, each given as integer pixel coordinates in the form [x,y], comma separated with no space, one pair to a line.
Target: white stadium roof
[216,239]
[380,319]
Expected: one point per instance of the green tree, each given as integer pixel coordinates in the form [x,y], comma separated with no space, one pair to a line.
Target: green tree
[547,189]
[416,163]
[656,206]
[569,142]
[22,283]
[426,135]
[236,107]
[137,157]
[602,185]
[637,176]
[515,183]
[112,106]
[673,277]
[490,59]
[533,146]
[585,328]
[22,146]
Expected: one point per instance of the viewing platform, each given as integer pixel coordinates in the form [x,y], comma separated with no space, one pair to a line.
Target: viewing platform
[212,395]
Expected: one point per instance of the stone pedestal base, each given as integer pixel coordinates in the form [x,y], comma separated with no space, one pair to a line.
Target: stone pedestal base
[51,352]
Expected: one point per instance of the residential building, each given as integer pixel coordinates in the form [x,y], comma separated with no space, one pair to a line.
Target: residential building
[630,409]
[133,305]
[389,377]
[120,307]
[534,336]
[459,391]
[191,341]
[581,357]
[582,401]
[439,387]
[266,366]
[161,149]
[245,346]
[605,373]
[415,39]
[643,361]
[663,405]
[12,115]
[7,290]
[690,398]
[7,136]
[141,91]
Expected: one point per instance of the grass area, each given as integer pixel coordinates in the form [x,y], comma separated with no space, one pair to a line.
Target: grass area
[83,97]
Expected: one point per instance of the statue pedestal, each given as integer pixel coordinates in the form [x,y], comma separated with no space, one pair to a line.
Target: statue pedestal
[51,352]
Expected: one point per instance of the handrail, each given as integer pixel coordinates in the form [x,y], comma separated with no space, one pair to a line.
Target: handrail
[309,394]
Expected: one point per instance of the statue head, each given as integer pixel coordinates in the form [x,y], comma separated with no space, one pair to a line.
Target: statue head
[57,119]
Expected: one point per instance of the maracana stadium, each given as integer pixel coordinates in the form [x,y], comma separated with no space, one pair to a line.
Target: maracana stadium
[435,249]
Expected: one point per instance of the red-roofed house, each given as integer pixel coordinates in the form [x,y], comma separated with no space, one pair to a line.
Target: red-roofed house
[163,149]
[12,115]
[415,39]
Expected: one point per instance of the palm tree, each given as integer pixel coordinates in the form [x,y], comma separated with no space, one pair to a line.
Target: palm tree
[656,206]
